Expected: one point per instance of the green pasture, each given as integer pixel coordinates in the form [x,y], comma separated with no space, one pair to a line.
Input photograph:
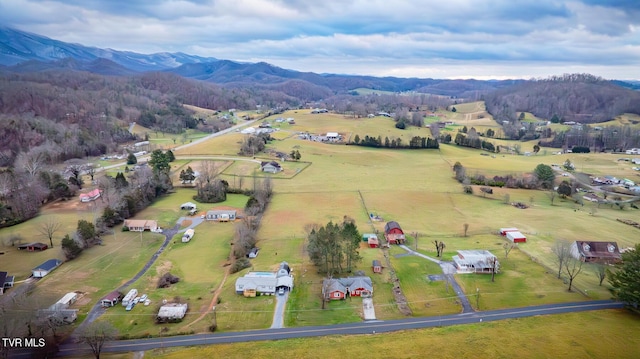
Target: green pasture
[228,144]
[555,336]
[425,297]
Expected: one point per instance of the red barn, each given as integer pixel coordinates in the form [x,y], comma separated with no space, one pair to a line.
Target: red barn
[504,231]
[393,233]
[516,237]
[373,242]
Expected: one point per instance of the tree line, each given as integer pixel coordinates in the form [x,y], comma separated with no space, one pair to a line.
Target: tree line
[414,143]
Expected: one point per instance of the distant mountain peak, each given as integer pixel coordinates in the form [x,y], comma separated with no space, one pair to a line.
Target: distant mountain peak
[18,46]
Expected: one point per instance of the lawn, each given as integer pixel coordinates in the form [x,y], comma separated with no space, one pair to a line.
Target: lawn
[556,336]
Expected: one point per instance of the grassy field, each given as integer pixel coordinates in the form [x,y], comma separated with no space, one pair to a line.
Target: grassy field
[557,336]
[414,187]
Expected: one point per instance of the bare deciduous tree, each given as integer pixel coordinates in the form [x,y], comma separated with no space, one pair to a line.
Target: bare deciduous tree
[49,227]
[440,246]
[465,227]
[572,267]
[96,335]
[562,250]
[507,248]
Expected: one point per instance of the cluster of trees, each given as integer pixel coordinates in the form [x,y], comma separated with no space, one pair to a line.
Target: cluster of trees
[473,140]
[211,189]
[126,197]
[85,236]
[415,142]
[510,181]
[333,248]
[604,138]
[404,107]
[246,230]
[254,144]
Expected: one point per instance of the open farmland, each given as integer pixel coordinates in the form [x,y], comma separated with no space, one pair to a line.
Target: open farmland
[414,187]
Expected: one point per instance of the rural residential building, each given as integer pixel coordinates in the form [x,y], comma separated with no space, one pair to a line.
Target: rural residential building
[141,225]
[270,167]
[516,237]
[376,266]
[6,280]
[91,196]
[476,261]
[600,252]
[340,288]
[265,283]
[172,312]
[221,215]
[111,299]
[46,268]
[59,313]
[32,247]
[393,233]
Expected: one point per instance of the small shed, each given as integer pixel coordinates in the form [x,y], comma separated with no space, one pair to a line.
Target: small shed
[111,299]
[172,312]
[504,231]
[376,266]
[253,253]
[516,237]
[68,299]
[366,236]
[373,242]
[46,268]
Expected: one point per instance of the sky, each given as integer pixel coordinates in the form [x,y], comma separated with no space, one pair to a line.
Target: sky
[444,39]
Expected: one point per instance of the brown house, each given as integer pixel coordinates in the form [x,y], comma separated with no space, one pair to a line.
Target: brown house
[601,252]
[32,247]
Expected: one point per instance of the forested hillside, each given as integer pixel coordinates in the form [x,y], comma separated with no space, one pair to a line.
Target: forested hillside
[577,97]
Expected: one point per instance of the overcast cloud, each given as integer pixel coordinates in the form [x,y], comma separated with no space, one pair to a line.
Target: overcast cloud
[409,38]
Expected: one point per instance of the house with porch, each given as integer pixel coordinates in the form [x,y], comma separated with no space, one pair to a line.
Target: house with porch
[141,225]
[32,247]
[254,284]
[340,288]
[476,261]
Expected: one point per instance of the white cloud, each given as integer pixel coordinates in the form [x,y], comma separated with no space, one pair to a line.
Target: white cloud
[514,38]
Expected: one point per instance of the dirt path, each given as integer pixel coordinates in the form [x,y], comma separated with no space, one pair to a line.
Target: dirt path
[213,302]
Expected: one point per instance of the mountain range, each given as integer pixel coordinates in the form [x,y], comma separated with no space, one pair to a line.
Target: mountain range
[27,52]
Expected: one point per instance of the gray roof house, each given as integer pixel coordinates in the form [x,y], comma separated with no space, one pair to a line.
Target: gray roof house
[6,281]
[265,283]
[340,288]
[270,167]
[172,312]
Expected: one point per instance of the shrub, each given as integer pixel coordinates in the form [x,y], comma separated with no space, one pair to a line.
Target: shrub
[167,280]
[240,264]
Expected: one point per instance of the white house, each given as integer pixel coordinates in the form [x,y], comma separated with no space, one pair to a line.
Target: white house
[141,225]
[270,167]
[45,268]
[221,215]
[333,136]
[476,261]
[633,151]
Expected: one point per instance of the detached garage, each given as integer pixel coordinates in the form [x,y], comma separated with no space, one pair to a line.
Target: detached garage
[516,237]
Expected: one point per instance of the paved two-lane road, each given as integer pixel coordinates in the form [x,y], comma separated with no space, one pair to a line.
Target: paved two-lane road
[341,329]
